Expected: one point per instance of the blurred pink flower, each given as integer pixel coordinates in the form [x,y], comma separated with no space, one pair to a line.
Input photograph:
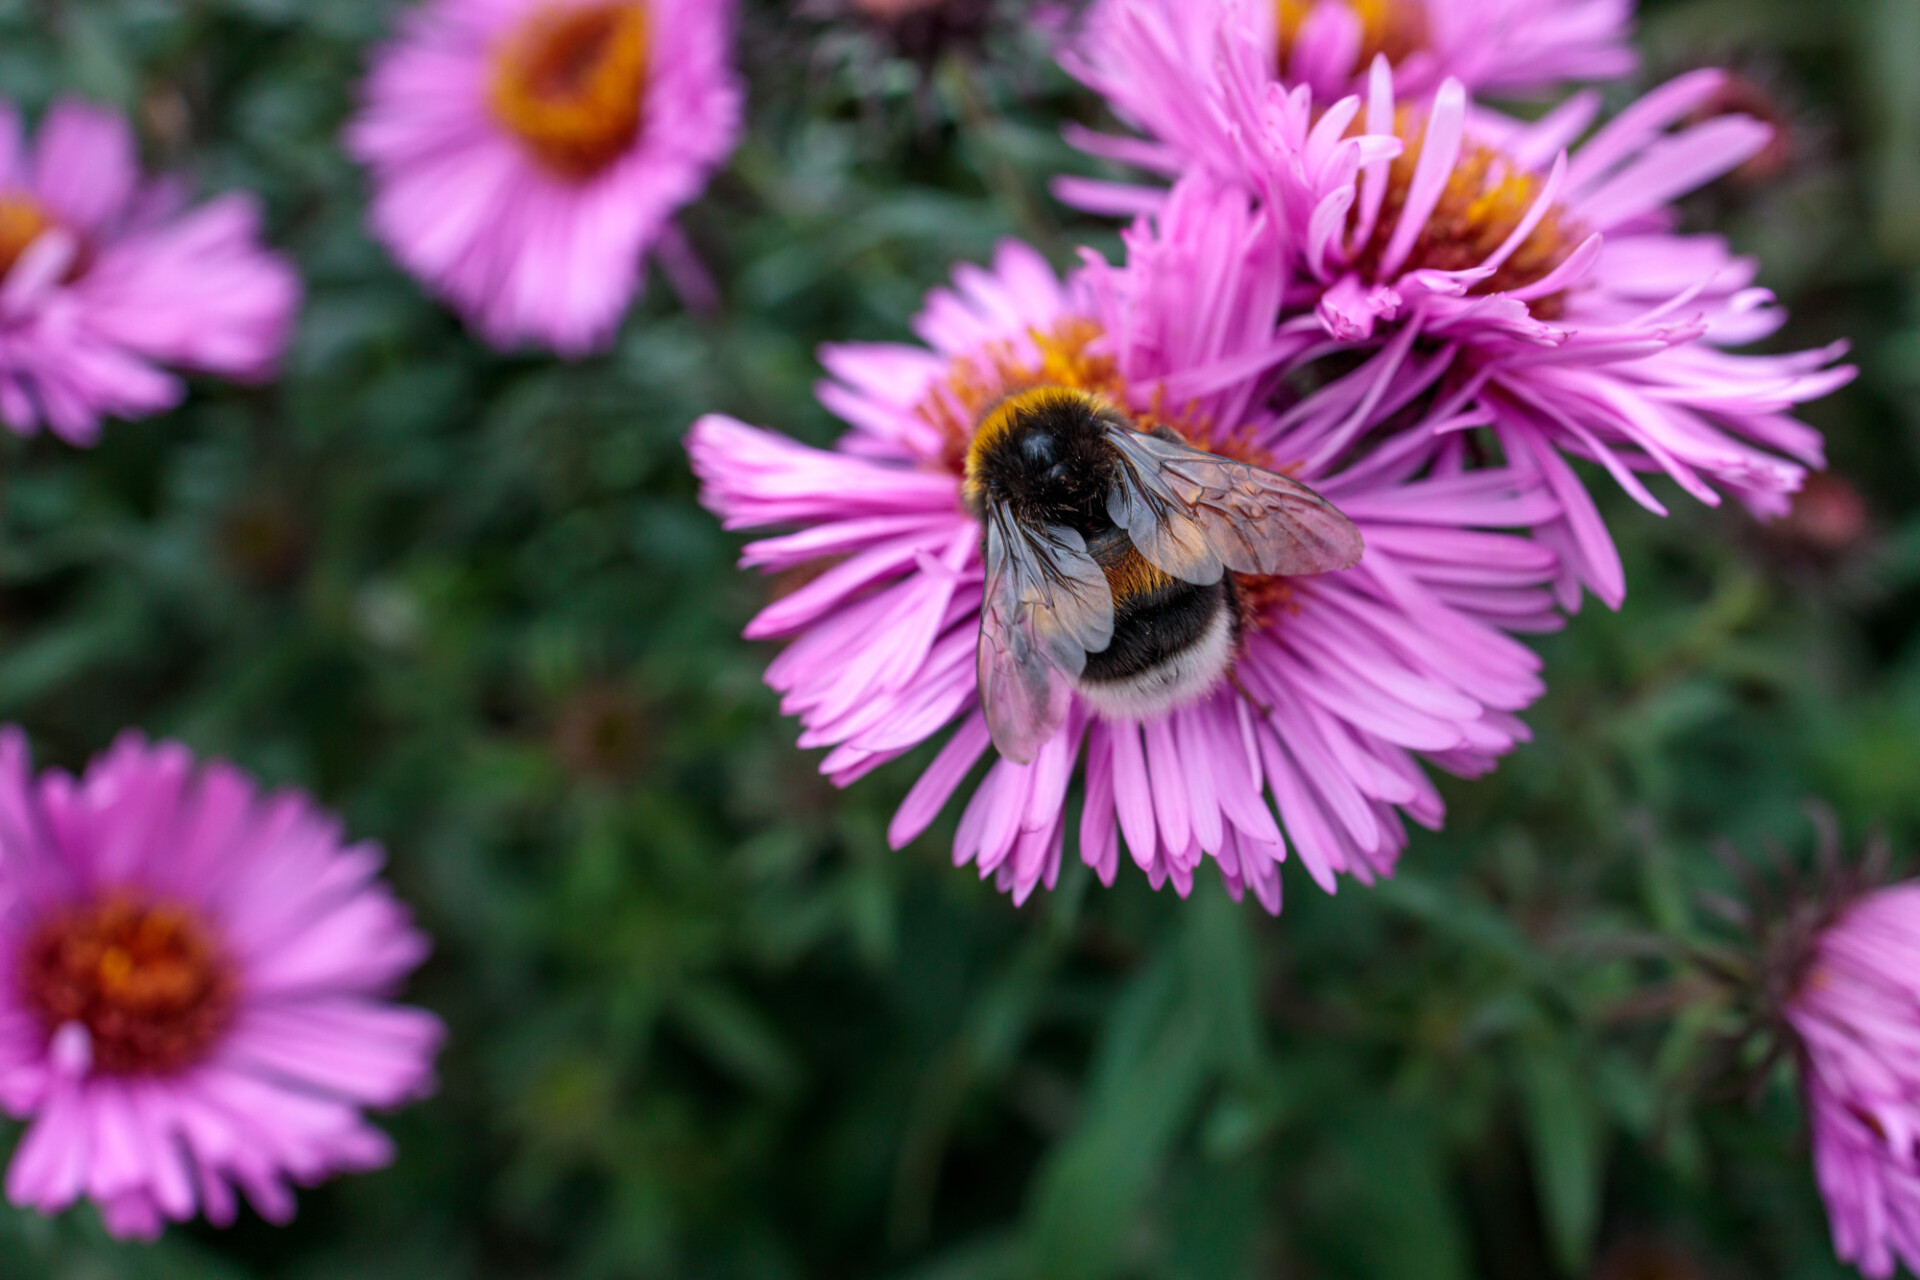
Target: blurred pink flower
[1345,682]
[194,986]
[1856,1011]
[105,278]
[1155,60]
[1576,318]
[527,154]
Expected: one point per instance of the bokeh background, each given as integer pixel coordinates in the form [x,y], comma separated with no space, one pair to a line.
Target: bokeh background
[704,1023]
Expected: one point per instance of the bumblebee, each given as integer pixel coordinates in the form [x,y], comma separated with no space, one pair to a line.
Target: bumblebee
[1107,549]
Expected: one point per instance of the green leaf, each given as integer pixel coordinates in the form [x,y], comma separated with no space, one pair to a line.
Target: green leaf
[1084,1212]
[1564,1133]
[1385,1206]
[737,1037]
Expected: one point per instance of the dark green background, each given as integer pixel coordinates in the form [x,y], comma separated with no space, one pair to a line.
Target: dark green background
[704,1023]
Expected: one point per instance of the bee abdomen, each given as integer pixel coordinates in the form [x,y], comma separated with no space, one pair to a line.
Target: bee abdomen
[1172,641]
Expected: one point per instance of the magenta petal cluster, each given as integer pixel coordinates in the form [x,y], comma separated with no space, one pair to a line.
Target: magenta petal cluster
[1578,320]
[195,984]
[1345,683]
[530,205]
[1593,328]
[1158,62]
[1856,1012]
[108,281]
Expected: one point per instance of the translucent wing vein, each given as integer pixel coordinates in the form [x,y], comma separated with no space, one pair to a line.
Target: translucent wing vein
[1047,606]
[1195,515]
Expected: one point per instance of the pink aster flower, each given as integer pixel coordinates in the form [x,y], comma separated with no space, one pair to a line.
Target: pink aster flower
[1155,61]
[1581,320]
[1341,684]
[528,154]
[107,280]
[1856,1012]
[1577,318]
[194,984]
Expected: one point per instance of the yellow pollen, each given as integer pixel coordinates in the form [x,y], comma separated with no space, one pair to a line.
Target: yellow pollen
[1066,357]
[21,222]
[1484,202]
[1396,28]
[568,82]
[115,967]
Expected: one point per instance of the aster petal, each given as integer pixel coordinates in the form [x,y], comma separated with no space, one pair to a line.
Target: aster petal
[85,165]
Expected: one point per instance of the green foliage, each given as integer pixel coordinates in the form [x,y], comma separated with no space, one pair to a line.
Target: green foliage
[704,1023]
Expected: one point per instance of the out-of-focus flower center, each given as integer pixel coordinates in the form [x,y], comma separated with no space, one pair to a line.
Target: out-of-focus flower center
[1486,199]
[147,980]
[1828,517]
[569,82]
[21,222]
[893,10]
[924,30]
[1068,355]
[602,732]
[1393,27]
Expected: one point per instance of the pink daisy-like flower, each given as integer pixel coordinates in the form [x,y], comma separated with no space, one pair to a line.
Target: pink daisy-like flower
[1341,684]
[1153,60]
[1856,1013]
[194,984]
[1578,319]
[1582,321]
[528,154]
[106,279]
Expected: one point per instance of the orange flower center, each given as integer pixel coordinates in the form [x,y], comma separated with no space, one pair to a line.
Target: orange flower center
[21,222]
[1396,28]
[146,980]
[1066,356]
[569,82]
[1486,198]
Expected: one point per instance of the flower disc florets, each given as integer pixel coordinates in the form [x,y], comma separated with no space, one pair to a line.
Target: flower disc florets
[150,982]
[1488,213]
[1390,29]
[22,221]
[570,81]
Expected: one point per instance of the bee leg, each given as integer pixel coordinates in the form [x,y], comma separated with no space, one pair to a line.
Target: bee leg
[1233,678]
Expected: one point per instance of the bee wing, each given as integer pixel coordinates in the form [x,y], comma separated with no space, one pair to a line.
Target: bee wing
[1047,606]
[1193,514]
